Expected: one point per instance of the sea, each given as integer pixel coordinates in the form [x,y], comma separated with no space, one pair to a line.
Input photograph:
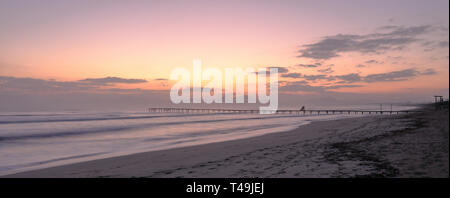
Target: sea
[34,140]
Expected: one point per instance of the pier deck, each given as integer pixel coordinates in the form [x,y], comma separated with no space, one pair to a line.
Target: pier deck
[282,111]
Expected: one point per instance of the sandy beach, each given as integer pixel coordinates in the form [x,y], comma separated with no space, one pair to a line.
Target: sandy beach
[409,145]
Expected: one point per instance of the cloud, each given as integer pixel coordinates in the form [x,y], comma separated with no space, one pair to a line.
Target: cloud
[443,44]
[316,77]
[395,57]
[291,75]
[112,80]
[387,27]
[349,78]
[162,82]
[326,71]
[281,70]
[391,76]
[310,65]
[360,66]
[427,43]
[400,75]
[30,94]
[332,46]
[342,86]
[305,87]
[373,62]
[9,83]
[295,87]
[433,45]
[429,71]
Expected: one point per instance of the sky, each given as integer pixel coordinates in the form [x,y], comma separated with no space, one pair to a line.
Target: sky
[86,54]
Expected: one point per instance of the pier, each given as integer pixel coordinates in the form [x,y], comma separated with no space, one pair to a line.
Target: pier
[282,111]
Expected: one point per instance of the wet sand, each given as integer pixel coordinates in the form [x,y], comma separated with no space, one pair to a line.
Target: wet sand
[410,145]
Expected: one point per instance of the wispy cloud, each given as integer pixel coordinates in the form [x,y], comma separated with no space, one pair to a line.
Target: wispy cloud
[112,80]
[303,86]
[429,71]
[391,76]
[291,75]
[443,44]
[372,61]
[326,71]
[9,83]
[349,78]
[400,75]
[316,77]
[281,70]
[397,37]
[433,45]
[309,65]
[32,84]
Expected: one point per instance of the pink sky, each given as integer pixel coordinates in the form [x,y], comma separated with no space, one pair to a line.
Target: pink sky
[355,46]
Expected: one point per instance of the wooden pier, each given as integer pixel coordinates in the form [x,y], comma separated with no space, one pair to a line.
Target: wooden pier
[284,111]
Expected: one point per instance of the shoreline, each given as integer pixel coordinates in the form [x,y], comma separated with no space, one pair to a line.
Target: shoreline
[349,147]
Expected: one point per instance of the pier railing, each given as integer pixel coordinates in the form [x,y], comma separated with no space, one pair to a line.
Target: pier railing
[283,111]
